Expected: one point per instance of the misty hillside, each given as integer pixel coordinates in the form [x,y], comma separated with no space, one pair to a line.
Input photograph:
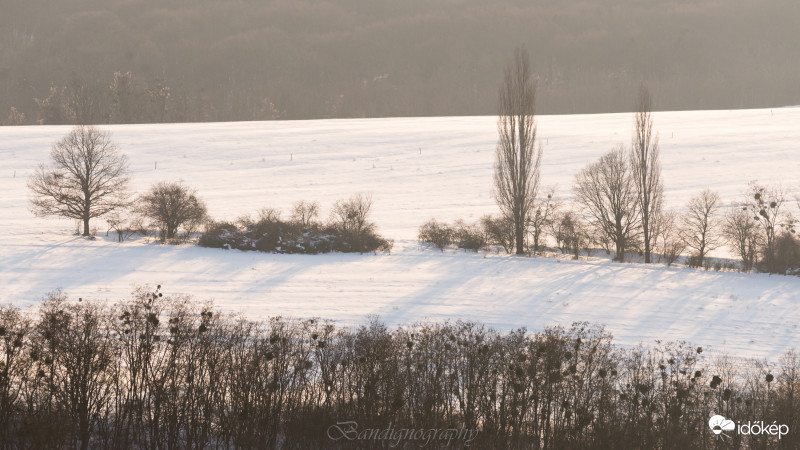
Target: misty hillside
[219,60]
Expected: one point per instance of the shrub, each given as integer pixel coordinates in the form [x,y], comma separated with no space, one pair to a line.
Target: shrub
[439,234]
[499,231]
[271,234]
[694,261]
[470,236]
[787,253]
[171,207]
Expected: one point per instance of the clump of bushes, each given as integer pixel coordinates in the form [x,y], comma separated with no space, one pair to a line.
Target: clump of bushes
[463,235]
[166,371]
[439,234]
[349,230]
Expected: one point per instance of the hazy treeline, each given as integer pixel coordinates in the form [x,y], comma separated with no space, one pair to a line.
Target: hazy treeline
[160,371]
[245,60]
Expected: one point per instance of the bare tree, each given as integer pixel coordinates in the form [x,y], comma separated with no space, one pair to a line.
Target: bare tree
[517,161]
[765,206]
[740,228]
[352,215]
[499,231]
[607,191]
[171,206]
[699,227]
[87,178]
[269,215]
[77,339]
[570,233]
[305,213]
[646,170]
[542,216]
[669,237]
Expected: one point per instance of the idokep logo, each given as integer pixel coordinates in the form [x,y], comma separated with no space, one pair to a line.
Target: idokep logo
[719,425]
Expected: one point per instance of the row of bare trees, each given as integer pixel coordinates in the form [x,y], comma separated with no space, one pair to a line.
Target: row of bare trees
[166,371]
[606,188]
[621,197]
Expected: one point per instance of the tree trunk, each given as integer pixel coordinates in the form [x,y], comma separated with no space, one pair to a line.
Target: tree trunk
[620,256]
[86,226]
[646,225]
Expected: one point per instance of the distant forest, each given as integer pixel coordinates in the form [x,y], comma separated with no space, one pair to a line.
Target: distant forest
[128,61]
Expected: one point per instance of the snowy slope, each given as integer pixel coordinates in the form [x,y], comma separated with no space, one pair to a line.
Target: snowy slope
[415,168]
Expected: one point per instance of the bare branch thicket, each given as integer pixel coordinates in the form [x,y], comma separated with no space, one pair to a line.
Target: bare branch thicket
[669,242]
[607,191]
[646,170]
[124,225]
[517,159]
[765,204]
[162,371]
[440,234]
[741,230]
[76,341]
[172,206]
[700,227]
[541,218]
[305,213]
[86,178]
[570,233]
[499,231]
[352,215]
[470,236]
[269,215]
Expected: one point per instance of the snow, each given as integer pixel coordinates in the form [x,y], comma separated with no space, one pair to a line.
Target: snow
[416,169]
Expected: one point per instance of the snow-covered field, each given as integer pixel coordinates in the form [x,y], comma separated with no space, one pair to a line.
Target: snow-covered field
[415,168]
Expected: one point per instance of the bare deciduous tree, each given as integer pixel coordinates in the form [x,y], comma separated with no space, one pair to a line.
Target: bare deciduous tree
[269,215]
[606,189]
[699,228]
[646,170]
[499,231]
[352,215]
[172,206]
[87,178]
[740,228]
[517,160]
[765,206]
[570,233]
[669,237]
[305,213]
[542,216]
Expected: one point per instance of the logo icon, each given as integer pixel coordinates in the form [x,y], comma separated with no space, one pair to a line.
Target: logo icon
[718,424]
